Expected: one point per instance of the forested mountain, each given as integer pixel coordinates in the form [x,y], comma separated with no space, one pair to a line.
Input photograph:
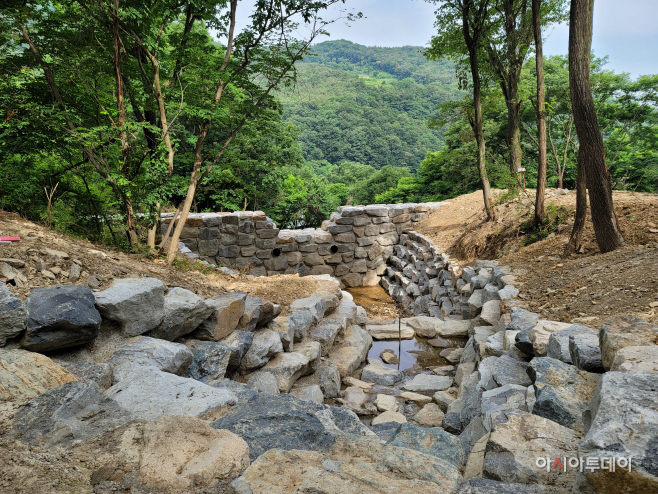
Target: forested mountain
[368,104]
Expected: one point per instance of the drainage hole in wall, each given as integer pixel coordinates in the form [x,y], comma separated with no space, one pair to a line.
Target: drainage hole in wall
[276,252]
[333,249]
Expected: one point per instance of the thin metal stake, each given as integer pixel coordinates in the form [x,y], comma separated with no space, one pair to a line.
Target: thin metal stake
[399,338]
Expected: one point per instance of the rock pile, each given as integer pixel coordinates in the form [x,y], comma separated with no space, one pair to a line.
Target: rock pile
[171,392]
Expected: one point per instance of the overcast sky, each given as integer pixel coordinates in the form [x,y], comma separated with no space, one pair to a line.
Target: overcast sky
[625,30]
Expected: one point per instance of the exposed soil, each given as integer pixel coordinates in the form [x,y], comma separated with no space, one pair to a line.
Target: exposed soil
[588,287]
[106,265]
[377,303]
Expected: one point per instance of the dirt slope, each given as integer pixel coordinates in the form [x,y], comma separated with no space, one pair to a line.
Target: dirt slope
[588,287]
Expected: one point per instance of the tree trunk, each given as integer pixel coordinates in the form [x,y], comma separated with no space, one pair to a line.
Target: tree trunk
[154,229]
[581,210]
[472,45]
[540,211]
[513,136]
[591,151]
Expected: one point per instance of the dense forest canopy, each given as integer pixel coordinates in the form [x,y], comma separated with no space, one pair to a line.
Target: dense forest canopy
[341,123]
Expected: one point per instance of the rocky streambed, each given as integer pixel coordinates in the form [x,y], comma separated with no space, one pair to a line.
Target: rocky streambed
[145,388]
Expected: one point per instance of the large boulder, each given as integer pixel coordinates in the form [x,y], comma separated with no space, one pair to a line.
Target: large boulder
[558,342]
[315,306]
[25,375]
[183,312]
[541,332]
[309,393]
[257,313]
[211,360]
[263,382]
[13,315]
[239,343]
[624,426]
[507,397]
[325,333]
[329,377]
[519,438]
[623,331]
[453,328]
[424,326]
[350,350]
[636,358]
[585,352]
[563,392]
[60,317]
[299,322]
[351,466]
[507,370]
[148,393]
[72,412]
[185,453]
[225,317]
[151,352]
[137,304]
[265,345]
[286,422]
[432,441]
[101,374]
[287,368]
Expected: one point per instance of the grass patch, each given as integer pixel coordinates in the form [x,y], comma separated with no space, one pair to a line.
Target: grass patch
[555,216]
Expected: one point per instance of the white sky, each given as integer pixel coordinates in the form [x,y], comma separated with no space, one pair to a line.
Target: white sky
[625,30]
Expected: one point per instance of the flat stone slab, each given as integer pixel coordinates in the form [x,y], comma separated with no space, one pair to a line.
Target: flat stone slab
[137,304]
[416,397]
[390,331]
[151,352]
[350,350]
[148,393]
[376,372]
[428,383]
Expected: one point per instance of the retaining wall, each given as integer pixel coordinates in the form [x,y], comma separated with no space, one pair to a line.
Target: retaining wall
[354,245]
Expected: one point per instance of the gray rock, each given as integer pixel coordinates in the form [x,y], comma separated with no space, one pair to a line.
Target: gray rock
[287,368]
[309,393]
[490,292]
[623,331]
[585,352]
[478,485]
[429,383]
[265,345]
[72,412]
[494,346]
[300,321]
[329,377]
[386,430]
[183,312]
[263,382]
[506,370]
[507,397]
[137,304]
[350,350]
[325,333]
[257,313]
[376,372]
[100,374]
[625,423]
[164,355]
[211,360]
[60,317]
[508,293]
[148,393]
[563,393]
[475,302]
[13,315]
[522,319]
[361,316]
[243,392]
[228,310]
[286,422]
[314,305]
[524,344]
[558,342]
[432,441]
[311,350]
[515,443]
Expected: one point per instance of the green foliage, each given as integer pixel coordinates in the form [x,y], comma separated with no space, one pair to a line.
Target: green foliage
[555,216]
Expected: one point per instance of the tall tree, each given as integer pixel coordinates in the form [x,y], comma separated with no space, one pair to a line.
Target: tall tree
[463,26]
[540,211]
[591,154]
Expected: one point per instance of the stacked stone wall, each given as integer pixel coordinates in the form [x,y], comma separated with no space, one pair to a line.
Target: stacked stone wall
[354,245]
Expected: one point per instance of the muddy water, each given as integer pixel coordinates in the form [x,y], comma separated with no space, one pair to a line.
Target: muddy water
[417,353]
